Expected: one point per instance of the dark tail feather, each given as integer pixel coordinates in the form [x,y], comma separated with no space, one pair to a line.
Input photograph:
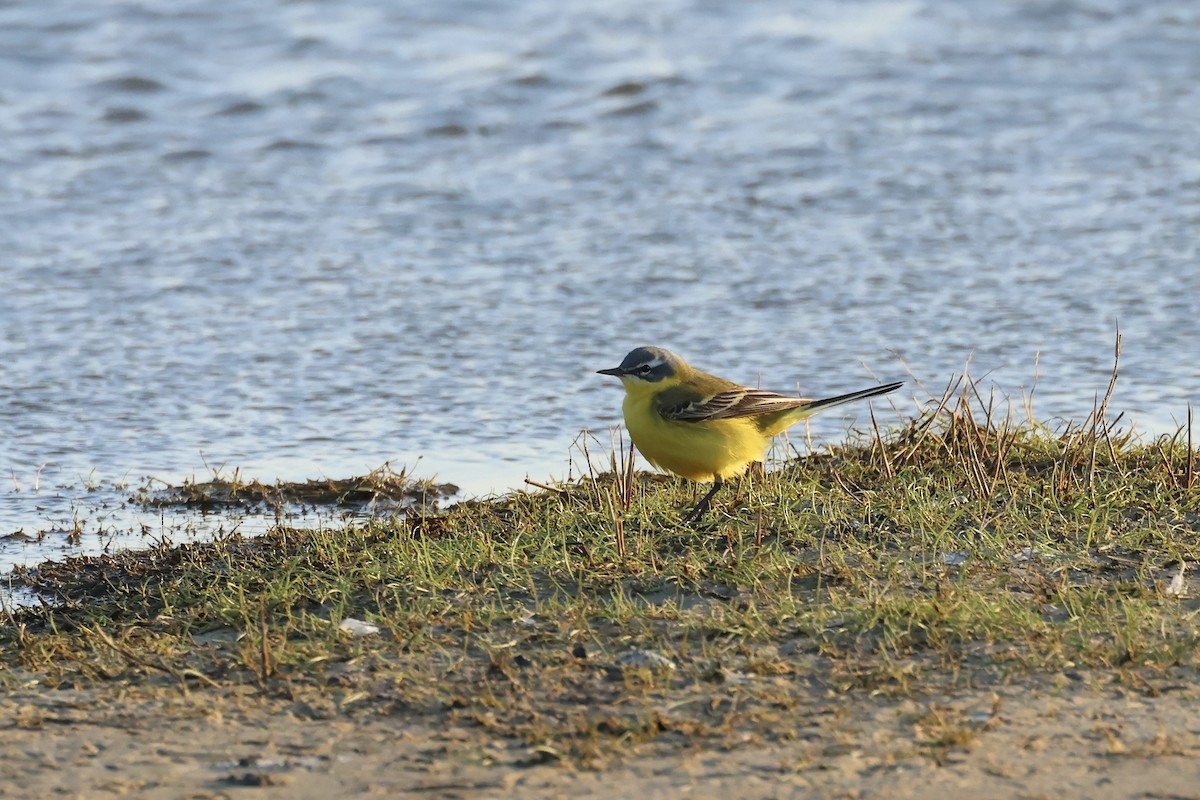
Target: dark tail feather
[817,405]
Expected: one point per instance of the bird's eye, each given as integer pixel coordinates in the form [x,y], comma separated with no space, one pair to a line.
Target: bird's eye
[644,369]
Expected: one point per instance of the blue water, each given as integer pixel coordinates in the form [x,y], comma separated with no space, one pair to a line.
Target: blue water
[304,238]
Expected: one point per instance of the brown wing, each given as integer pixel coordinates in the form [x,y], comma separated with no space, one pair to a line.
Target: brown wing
[729,404]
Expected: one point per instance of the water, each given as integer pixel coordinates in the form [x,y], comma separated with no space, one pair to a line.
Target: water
[306,238]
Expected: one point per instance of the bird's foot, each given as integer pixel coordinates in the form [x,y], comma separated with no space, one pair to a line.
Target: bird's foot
[697,513]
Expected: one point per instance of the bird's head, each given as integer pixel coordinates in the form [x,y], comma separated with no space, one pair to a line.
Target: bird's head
[646,366]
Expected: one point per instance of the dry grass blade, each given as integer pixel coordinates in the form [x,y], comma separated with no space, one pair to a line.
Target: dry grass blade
[546,487]
[1187,482]
[877,446]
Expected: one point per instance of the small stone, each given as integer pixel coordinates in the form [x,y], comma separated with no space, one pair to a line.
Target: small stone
[1178,586]
[645,658]
[356,627]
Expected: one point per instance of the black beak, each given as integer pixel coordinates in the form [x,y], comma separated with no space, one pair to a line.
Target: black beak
[613,371]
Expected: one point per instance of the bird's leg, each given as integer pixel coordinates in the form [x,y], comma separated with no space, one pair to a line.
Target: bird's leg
[696,513]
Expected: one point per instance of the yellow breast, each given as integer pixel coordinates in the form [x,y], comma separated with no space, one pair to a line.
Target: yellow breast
[700,451]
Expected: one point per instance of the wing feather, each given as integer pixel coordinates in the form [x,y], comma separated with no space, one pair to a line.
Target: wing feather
[731,404]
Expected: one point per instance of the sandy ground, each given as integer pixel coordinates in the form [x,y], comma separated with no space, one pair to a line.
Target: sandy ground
[1060,742]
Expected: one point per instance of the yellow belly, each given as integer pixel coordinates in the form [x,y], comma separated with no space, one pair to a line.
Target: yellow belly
[698,451]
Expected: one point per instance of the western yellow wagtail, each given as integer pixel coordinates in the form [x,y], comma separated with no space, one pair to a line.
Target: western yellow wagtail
[702,427]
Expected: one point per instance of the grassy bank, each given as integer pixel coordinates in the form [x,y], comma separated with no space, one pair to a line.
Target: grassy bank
[963,550]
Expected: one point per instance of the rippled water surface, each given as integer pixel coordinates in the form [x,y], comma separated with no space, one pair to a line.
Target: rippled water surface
[306,238]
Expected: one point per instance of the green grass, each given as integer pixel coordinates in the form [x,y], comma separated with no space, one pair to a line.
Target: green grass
[963,550]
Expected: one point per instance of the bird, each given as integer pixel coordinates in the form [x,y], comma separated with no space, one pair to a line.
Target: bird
[702,427]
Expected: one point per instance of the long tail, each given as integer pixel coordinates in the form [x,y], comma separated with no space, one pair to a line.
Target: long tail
[777,423]
[829,402]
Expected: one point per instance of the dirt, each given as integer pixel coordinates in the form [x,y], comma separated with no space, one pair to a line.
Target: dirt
[1076,739]
[383,489]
